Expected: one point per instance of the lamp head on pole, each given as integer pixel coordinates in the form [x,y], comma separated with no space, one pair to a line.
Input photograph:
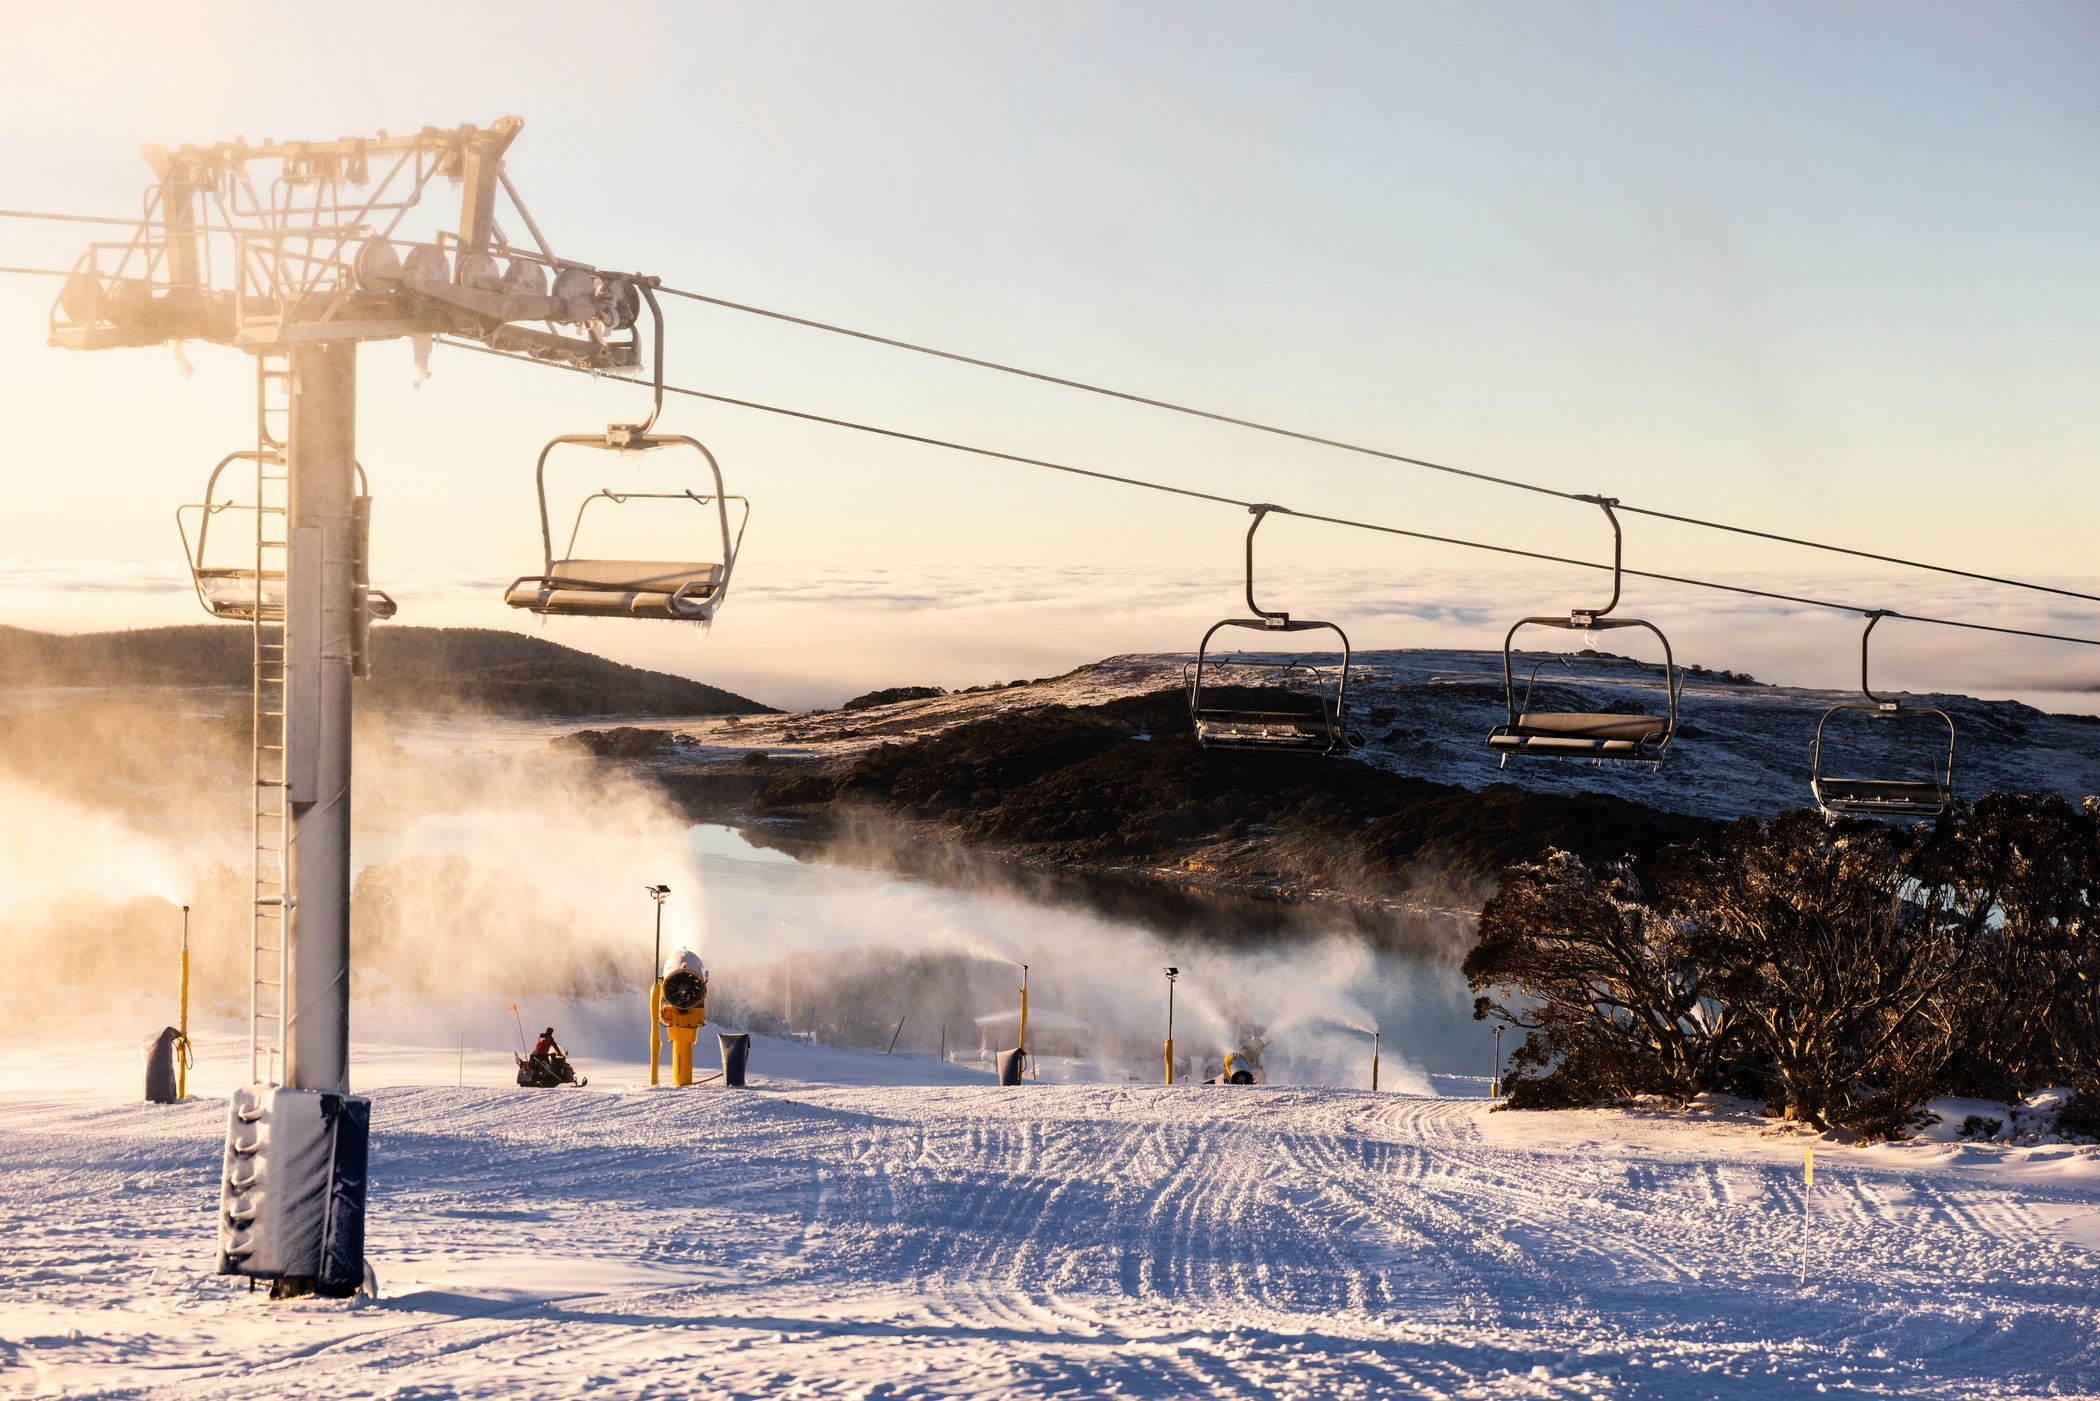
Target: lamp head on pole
[1172,973]
[658,893]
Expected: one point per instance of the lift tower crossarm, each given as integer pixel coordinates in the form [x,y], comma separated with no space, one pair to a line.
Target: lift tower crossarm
[321,254]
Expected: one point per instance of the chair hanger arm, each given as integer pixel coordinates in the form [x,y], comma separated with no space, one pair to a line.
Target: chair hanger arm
[1880,702]
[1261,513]
[1618,550]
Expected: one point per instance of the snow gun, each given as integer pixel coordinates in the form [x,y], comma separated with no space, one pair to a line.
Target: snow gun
[684,1009]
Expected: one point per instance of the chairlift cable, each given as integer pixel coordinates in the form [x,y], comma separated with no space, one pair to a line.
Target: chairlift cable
[1255,425]
[1124,395]
[1361,449]
[1342,521]
[37,272]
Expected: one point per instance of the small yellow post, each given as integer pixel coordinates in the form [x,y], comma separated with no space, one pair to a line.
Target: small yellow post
[1808,1186]
[1172,974]
[656,1034]
[182,1016]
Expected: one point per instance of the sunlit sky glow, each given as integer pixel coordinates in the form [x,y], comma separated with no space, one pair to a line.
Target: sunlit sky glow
[1819,269]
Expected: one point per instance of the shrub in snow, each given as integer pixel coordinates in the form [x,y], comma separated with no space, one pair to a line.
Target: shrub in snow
[1613,1004]
[1845,970]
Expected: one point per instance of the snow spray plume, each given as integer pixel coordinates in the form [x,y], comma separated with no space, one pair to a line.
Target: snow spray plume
[937,956]
[515,873]
[482,877]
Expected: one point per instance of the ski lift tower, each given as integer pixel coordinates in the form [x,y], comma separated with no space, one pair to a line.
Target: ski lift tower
[295,252]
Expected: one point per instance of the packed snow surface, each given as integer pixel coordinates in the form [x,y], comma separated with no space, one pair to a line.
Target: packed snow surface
[874,1226]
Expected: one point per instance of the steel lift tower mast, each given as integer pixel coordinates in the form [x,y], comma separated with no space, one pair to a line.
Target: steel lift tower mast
[295,252]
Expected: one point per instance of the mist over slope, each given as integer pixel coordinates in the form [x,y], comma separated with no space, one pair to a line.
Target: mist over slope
[412,668]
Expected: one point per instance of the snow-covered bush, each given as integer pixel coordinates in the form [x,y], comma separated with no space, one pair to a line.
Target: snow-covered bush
[1612,1002]
[1846,971]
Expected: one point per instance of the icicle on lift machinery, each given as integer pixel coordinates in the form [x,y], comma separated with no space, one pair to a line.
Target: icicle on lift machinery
[1585,734]
[296,266]
[1840,793]
[682,591]
[1308,717]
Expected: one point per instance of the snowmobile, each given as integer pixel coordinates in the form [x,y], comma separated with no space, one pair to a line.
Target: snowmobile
[547,1070]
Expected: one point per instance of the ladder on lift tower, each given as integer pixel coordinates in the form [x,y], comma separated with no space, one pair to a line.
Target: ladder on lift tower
[269,966]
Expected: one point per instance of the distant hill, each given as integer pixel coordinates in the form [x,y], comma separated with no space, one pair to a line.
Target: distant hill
[413,669]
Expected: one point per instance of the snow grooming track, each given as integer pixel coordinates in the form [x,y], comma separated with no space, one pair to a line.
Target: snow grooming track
[954,1240]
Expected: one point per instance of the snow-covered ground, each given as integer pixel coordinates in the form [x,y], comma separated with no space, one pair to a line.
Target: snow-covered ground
[885,1226]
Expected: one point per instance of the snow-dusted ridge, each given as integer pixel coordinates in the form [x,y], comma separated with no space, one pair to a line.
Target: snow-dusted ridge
[1743,748]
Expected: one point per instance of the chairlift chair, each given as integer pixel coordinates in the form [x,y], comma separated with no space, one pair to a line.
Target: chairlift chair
[677,590]
[1841,793]
[1585,734]
[1310,720]
[234,583]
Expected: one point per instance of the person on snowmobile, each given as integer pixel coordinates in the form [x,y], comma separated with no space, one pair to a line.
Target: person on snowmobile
[548,1066]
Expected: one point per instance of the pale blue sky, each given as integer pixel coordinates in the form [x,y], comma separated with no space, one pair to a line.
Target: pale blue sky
[1818,268]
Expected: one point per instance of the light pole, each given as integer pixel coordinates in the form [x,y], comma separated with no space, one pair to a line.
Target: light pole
[1172,974]
[1495,1081]
[1374,1060]
[658,893]
[1021,1036]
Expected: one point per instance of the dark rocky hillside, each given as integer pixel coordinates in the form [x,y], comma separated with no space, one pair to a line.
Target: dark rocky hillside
[1123,786]
[413,669]
[1096,773]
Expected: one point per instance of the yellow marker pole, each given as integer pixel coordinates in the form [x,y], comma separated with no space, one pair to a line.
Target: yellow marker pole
[1808,1183]
[182,1016]
[656,1034]
[1172,974]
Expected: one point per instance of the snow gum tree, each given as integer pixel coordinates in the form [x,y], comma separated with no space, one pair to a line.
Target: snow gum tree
[1845,971]
[1611,1002]
[2031,1014]
[1837,948]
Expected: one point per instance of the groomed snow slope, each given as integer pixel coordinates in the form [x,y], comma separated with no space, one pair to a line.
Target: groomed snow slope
[847,1233]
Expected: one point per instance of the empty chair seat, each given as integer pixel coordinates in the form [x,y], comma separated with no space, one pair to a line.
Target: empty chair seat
[1881,797]
[1600,725]
[620,588]
[1880,792]
[1268,729]
[1578,734]
[230,593]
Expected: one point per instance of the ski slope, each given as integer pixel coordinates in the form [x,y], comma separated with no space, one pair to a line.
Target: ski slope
[856,1225]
